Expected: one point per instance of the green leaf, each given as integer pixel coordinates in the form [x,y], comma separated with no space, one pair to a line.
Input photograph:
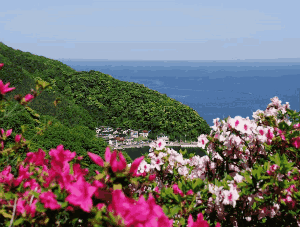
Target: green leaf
[182,221]
[258,199]
[254,205]
[275,159]
[180,185]
[19,221]
[227,178]
[256,173]
[176,197]
[165,209]
[248,179]
[112,217]
[71,167]
[197,183]
[36,195]
[42,83]
[6,215]
[9,195]
[59,194]
[40,207]
[292,212]
[20,187]
[174,210]
[266,166]
[117,186]
[7,223]
[64,204]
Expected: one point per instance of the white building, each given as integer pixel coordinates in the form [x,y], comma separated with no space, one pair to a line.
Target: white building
[128,141]
[144,134]
[134,134]
[110,136]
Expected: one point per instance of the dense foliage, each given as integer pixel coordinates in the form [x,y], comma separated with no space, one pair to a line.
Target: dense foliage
[87,100]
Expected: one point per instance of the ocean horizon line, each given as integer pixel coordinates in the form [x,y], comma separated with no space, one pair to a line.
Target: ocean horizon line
[279,60]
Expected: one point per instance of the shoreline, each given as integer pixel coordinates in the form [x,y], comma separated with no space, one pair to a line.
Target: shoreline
[193,144]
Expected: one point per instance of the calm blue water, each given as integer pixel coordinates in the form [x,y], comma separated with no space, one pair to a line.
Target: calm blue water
[213,89]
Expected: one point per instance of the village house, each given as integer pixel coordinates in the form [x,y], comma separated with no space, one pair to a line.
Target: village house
[114,138]
[134,134]
[144,133]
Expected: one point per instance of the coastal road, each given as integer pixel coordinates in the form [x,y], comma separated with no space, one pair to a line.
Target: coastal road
[147,144]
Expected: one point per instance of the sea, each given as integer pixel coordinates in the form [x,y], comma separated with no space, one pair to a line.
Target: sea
[213,89]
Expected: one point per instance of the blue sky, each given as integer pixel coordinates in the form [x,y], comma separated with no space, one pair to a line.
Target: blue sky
[153,30]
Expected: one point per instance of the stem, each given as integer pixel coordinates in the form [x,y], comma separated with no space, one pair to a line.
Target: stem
[32,197]
[14,211]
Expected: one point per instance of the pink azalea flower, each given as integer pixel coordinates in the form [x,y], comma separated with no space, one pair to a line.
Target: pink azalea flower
[138,213]
[17,138]
[28,97]
[96,171]
[296,142]
[100,205]
[96,158]
[176,190]
[49,200]
[202,141]
[80,194]
[161,144]
[190,192]
[60,167]
[32,184]
[7,133]
[115,164]
[38,158]
[107,155]
[30,209]
[60,173]
[152,177]
[23,174]
[200,222]
[1,65]
[135,165]
[6,176]
[20,206]
[296,126]
[78,171]
[60,155]
[4,88]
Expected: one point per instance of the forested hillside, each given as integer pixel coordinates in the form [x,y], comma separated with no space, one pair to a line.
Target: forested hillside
[87,100]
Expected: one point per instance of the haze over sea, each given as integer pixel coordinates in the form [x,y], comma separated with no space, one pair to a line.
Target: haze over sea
[213,89]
